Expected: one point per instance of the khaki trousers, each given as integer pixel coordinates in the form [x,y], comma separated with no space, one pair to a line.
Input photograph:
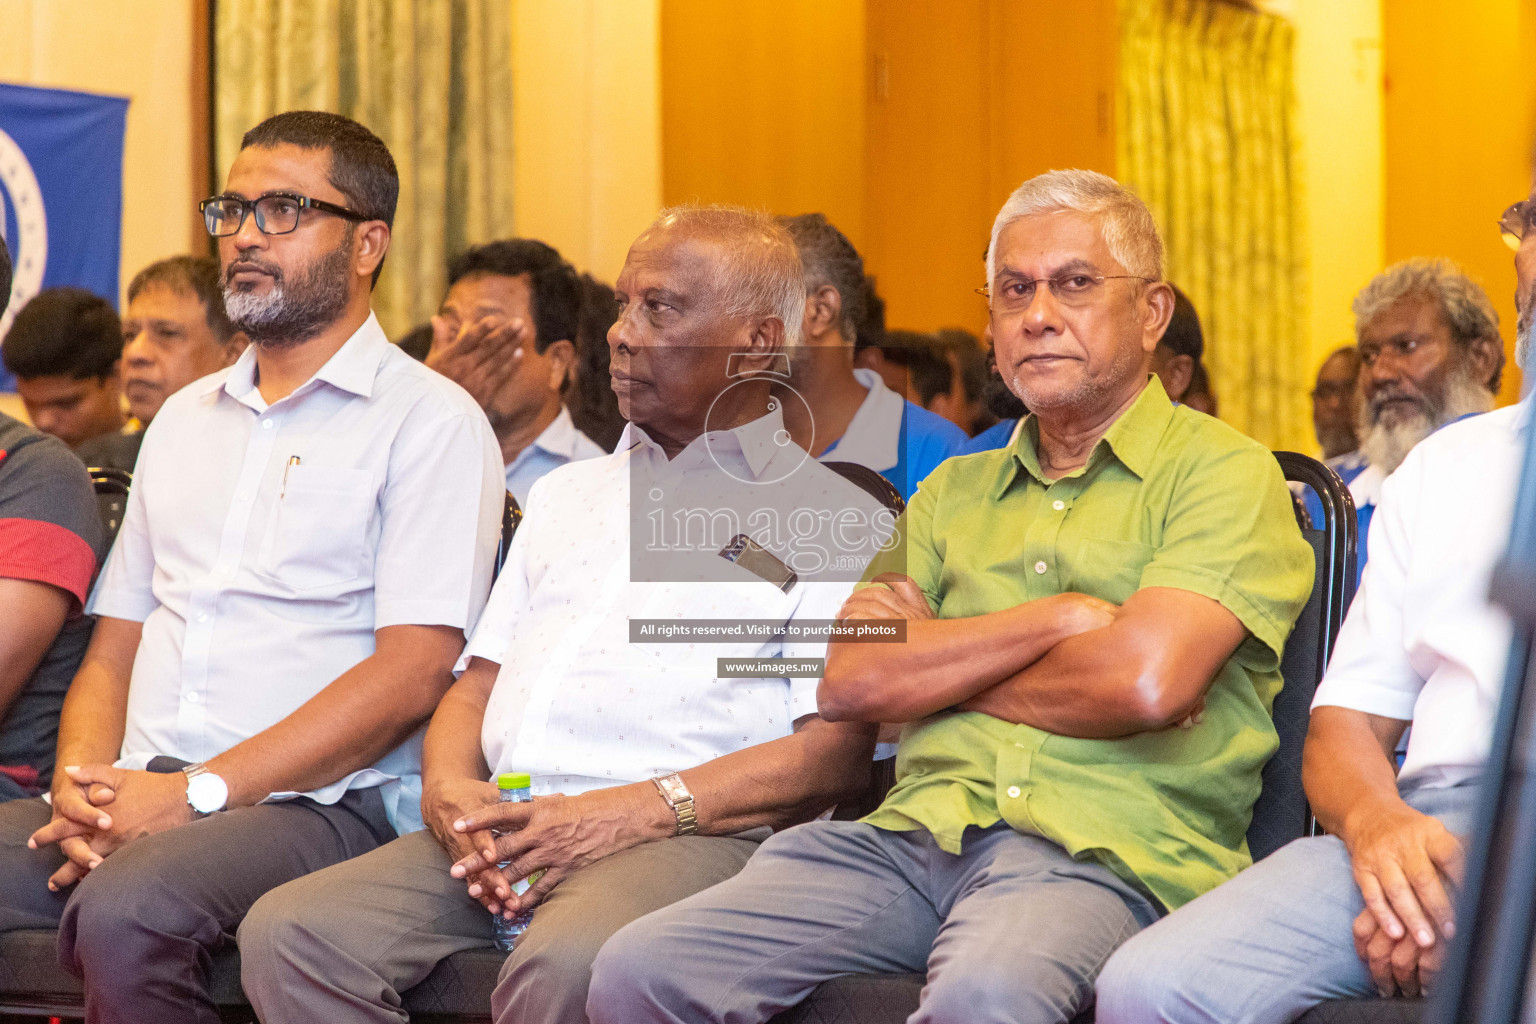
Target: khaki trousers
[342,944]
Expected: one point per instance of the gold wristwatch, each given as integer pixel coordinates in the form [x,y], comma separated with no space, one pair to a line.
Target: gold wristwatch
[675,792]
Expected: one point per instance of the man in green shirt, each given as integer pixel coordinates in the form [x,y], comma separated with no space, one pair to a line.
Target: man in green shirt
[1096,616]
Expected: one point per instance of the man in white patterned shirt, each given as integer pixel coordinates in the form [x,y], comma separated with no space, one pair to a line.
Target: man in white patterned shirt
[633,746]
[310,535]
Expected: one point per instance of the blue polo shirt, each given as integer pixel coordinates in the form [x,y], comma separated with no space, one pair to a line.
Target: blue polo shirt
[898,439]
[995,436]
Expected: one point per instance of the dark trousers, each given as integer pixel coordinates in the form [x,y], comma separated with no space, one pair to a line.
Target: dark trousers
[142,928]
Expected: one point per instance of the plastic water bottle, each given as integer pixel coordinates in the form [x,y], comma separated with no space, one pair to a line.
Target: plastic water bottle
[515,788]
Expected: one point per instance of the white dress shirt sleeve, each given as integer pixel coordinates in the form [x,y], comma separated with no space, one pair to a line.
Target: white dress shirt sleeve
[440,519]
[1370,670]
[125,589]
[821,600]
[508,597]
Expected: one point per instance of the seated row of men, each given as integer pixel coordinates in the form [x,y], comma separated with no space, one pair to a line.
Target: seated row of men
[302,675]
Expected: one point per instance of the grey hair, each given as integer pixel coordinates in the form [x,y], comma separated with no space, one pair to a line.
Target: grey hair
[759,273]
[1126,223]
[1467,310]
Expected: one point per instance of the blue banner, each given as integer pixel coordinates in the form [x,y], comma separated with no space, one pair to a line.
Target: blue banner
[61,192]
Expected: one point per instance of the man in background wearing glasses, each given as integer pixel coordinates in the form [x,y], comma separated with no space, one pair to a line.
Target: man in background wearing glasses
[308,536]
[1124,567]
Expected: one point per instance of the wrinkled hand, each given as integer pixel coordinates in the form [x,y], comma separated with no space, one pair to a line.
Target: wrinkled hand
[99,808]
[1401,861]
[560,834]
[480,356]
[442,804]
[893,597]
[1396,965]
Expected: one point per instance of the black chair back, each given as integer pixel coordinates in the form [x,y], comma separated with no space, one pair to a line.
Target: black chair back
[1281,813]
[877,486]
[111,486]
[882,774]
[511,516]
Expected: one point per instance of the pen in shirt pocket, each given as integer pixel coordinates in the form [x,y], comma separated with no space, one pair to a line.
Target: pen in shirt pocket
[293,460]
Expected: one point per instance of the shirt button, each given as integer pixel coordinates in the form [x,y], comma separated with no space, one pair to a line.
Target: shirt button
[1058,504]
[266,424]
[1040,568]
[202,616]
[192,697]
[1013,792]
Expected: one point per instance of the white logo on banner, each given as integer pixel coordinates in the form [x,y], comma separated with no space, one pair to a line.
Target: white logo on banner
[29,249]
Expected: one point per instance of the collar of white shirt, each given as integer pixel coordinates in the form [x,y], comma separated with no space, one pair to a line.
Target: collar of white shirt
[561,437]
[759,442]
[873,437]
[353,368]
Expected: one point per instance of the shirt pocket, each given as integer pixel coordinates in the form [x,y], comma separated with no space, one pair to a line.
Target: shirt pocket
[1109,569]
[318,534]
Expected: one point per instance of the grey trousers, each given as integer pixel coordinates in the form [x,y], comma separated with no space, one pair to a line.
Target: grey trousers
[1265,947]
[1011,930]
[142,928]
[341,945]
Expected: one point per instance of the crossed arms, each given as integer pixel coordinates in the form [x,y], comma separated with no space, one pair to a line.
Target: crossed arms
[1069,664]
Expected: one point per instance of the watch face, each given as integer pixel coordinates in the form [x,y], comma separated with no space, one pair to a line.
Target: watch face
[207,793]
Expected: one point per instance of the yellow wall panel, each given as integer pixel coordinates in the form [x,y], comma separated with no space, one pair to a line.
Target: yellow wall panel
[1458,136]
[587,147]
[145,51]
[1339,125]
[763,106]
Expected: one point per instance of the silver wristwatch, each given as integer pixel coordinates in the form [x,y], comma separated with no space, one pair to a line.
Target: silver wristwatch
[675,792]
[206,792]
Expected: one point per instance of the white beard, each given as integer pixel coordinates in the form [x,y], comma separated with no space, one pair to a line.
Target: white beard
[1524,328]
[1388,444]
[250,308]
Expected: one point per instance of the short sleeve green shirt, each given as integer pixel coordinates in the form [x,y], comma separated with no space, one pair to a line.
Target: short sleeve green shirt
[1169,497]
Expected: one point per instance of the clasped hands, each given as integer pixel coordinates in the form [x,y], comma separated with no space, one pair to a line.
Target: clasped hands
[1402,860]
[558,834]
[98,808]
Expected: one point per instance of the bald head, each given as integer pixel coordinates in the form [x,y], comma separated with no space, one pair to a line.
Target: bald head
[748,264]
[709,297]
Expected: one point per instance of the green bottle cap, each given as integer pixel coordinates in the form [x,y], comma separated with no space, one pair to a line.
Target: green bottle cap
[514,780]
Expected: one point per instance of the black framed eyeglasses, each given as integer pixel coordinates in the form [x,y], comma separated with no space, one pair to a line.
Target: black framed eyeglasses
[1516,222]
[277,213]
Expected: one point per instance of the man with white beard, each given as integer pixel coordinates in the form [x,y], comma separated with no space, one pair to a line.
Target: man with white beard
[1430,354]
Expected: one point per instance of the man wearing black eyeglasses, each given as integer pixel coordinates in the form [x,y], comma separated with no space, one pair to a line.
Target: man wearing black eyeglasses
[308,536]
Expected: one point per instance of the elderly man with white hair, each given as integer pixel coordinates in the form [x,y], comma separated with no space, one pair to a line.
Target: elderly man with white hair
[1124,568]
[655,772]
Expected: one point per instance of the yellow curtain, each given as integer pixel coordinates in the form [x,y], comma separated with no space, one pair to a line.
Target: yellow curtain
[431,77]
[1205,135]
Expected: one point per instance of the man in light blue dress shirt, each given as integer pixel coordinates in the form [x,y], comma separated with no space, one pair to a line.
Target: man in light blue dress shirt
[506,333]
[310,534]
